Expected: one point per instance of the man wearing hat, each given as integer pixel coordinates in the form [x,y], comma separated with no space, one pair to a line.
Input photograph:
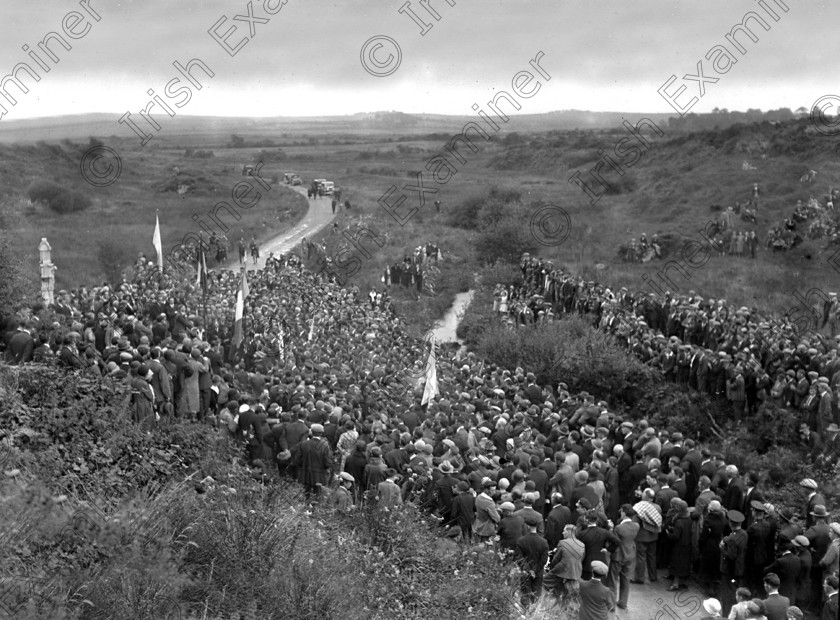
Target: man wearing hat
[343,496]
[761,537]
[142,397]
[712,607]
[809,489]
[819,537]
[733,555]
[597,601]
[486,515]
[532,556]
[314,462]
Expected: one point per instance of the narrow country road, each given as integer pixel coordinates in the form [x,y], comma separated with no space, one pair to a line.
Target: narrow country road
[317,217]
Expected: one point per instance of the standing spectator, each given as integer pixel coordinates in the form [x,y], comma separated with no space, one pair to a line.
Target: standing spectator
[463,510]
[255,250]
[787,568]
[819,537]
[532,555]
[712,607]
[142,397]
[241,250]
[314,462]
[733,553]
[829,561]
[343,497]
[388,493]
[597,602]
[556,521]
[679,533]
[775,604]
[829,609]
[486,515]
[566,567]
[649,517]
[624,554]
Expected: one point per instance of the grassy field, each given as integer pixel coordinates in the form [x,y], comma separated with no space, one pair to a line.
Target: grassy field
[668,191]
[119,225]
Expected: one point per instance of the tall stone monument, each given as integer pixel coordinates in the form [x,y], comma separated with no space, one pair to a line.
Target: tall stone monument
[47,272]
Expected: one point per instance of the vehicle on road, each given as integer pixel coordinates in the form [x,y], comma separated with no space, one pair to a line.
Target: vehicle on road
[288,177]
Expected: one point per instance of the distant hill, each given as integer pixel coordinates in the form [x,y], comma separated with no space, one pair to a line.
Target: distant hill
[103,125]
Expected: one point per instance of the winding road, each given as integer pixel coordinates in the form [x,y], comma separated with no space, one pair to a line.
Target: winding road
[317,217]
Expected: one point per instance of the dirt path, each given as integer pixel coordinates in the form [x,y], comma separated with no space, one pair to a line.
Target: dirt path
[317,217]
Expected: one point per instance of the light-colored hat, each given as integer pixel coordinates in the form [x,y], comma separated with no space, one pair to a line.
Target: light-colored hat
[346,477]
[712,606]
[317,429]
[244,408]
[599,568]
[808,483]
[801,541]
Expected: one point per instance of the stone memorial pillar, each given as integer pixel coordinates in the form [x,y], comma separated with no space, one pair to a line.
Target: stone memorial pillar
[47,272]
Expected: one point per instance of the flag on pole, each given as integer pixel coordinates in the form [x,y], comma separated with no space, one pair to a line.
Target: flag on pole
[201,269]
[311,329]
[238,336]
[431,388]
[158,244]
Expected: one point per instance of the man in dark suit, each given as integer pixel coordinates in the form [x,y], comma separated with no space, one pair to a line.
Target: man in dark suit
[733,497]
[597,601]
[21,347]
[775,604]
[595,540]
[812,498]
[787,568]
[314,462]
[624,555]
[559,517]
[463,510]
[753,494]
[532,555]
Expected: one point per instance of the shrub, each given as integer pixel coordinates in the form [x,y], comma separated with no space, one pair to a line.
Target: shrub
[59,199]
[573,352]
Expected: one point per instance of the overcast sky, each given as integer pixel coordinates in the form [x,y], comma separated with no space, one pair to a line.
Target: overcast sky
[606,55]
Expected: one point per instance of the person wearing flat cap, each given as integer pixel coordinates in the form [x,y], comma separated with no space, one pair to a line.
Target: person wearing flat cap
[819,537]
[313,462]
[343,496]
[597,601]
[531,556]
[713,608]
[812,497]
[733,555]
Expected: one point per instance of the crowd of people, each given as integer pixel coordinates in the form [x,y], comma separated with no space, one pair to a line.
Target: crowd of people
[414,269]
[728,353]
[325,389]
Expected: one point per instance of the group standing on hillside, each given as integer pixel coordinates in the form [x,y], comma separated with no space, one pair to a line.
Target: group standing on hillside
[326,388]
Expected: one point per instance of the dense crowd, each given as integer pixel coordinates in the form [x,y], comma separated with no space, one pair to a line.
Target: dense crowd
[326,389]
[731,354]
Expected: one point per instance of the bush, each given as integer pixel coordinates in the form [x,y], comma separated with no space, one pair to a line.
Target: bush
[573,352]
[59,199]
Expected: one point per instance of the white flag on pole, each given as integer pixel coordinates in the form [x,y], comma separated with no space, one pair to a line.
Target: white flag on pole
[431,388]
[158,244]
